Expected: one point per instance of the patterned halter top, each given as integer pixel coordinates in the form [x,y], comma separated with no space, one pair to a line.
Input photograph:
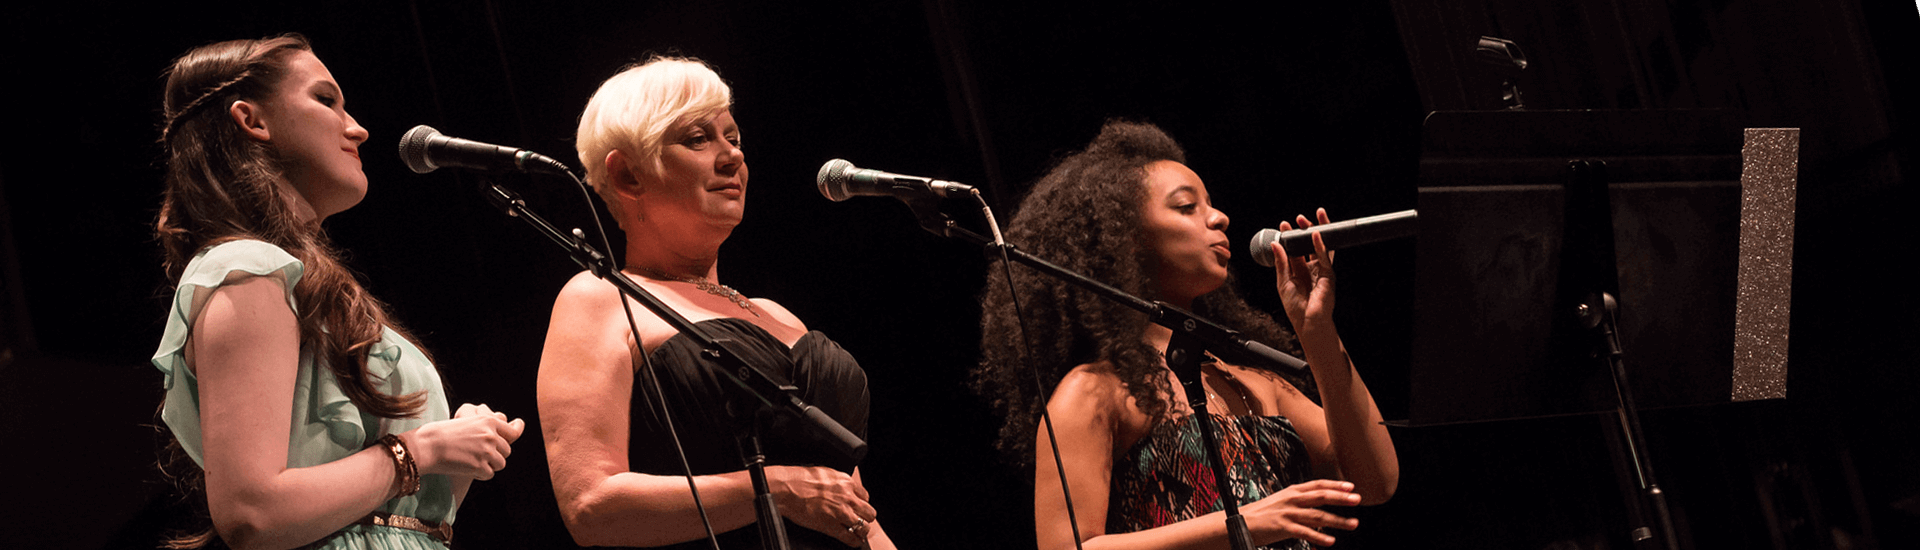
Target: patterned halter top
[1164,478]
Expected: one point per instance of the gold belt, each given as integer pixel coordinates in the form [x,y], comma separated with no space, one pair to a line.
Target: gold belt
[439,531]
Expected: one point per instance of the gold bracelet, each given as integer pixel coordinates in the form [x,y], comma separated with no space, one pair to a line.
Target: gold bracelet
[404,469]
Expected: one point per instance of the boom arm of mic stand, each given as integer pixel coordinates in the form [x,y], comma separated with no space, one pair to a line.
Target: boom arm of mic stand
[1222,341]
[770,390]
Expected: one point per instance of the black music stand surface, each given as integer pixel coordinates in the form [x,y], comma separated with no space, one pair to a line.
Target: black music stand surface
[1496,333]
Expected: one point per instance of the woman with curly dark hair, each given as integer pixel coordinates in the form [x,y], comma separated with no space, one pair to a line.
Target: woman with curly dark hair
[310,418]
[1128,211]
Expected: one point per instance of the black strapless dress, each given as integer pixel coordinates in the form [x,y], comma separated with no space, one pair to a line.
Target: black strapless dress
[828,378]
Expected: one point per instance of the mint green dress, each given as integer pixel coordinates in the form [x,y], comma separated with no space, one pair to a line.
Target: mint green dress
[326,425]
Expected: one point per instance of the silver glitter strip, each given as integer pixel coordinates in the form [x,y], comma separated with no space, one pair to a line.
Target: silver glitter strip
[1771,162]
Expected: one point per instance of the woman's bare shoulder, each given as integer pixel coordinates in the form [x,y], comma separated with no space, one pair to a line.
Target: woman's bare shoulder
[1093,390]
[1092,381]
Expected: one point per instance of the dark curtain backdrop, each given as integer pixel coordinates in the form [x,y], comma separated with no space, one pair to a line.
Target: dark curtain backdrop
[1282,108]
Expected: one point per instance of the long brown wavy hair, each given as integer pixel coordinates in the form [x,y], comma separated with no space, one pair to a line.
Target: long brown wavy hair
[1085,216]
[222,186]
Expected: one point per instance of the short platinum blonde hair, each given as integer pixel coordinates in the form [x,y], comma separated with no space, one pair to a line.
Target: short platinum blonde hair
[633,110]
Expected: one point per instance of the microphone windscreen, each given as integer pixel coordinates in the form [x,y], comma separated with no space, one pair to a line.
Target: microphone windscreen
[413,149]
[832,179]
[1261,247]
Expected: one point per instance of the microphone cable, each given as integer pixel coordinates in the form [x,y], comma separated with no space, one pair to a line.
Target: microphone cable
[1026,349]
[646,367]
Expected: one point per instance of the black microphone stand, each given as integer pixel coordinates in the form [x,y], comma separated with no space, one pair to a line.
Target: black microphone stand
[773,532]
[1183,356]
[1591,266]
[771,392]
[1192,337]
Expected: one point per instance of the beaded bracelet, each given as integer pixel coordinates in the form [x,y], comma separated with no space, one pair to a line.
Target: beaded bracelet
[403,466]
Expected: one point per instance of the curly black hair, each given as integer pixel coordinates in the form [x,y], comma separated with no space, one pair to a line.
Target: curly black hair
[1085,216]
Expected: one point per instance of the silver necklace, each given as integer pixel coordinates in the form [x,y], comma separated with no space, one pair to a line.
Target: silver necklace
[706,286]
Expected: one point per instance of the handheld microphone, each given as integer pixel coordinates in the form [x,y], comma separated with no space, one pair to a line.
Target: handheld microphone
[425,149]
[1371,229]
[839,180]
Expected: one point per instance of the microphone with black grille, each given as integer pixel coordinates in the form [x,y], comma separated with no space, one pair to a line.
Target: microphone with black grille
[425,149]
[839,180]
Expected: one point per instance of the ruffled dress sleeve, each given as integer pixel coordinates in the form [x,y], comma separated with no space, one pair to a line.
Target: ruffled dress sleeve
[326,425]
[214,267]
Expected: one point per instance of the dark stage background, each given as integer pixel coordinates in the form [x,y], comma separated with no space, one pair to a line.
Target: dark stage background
[1282,109]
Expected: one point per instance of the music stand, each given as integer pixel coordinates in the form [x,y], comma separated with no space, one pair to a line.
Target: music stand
[1527,217]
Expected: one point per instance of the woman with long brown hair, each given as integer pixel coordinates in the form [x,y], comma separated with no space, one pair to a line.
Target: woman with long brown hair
[316,420]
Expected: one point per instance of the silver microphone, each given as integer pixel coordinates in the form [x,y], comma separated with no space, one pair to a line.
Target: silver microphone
[1358,231]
